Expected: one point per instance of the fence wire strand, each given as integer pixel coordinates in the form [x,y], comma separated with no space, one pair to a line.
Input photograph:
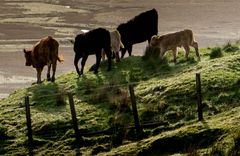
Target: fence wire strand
[74,92]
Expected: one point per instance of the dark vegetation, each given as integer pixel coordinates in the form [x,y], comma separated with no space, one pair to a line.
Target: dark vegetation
[216,53]
[165,93]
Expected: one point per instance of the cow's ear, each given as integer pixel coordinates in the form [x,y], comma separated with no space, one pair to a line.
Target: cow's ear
[26,51]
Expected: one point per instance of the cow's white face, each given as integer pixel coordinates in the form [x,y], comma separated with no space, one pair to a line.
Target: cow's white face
[27,54]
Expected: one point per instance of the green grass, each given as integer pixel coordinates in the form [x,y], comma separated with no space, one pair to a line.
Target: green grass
[229,47]
[164,91]
[216,53]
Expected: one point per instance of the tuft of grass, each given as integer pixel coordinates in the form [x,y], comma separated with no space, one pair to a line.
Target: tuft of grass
[229,47]
[236,145]
[2,131]
[216,52]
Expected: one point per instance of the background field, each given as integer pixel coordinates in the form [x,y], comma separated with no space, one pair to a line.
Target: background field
[22,23]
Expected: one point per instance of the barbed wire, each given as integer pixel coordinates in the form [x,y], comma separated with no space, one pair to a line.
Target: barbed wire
[104,86]
[74,92]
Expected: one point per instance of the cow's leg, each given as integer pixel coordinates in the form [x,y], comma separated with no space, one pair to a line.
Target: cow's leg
[54,66]
[175,54]
[187,50]
[98,59]
[84,59]
[162,53]
[113,55]
[76,59]
[195,46]
[130,50]
[123,52]
[149,40]
[108,53]
[39,72]
[48,72]
[117,56]
[103,55]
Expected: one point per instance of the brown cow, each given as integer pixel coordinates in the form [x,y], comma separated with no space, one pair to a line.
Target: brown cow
[173,40]
[44,52]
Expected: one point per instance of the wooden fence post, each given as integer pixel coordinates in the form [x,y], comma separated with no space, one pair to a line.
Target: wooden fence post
[199,97]
[74,118]
[139,130]
[29,124]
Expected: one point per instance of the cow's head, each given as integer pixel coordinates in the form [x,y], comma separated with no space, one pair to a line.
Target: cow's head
[28,57]
[154,40]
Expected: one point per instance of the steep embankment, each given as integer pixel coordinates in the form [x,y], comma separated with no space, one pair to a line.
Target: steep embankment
[165,92]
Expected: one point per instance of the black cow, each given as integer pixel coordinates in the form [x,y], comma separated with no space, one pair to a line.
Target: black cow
[139,29]
[91,43]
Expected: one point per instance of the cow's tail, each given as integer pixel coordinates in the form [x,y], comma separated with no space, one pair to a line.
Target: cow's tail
[190,36]
[121,44]
[60,58]
[119,38]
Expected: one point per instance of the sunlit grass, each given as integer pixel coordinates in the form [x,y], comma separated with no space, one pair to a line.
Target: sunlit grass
[165,91]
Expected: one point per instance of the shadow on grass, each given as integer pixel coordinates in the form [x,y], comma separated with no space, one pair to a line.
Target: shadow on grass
[182,143]
[54,130]
[5,140]
[4,144]
[47,97]
[130,69]
[137,68]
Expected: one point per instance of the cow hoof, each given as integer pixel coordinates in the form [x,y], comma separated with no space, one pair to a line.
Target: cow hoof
[79,75]
[92,68]
[37,82]
[48,77]
[53,79]
[34,83]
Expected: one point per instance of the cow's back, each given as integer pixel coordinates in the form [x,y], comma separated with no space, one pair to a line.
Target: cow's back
[177,39]
[140,28]
[182,38]
[91,41]
[46,51]
[187,37]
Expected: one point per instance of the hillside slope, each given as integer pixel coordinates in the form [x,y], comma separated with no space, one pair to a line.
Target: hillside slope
[165,93]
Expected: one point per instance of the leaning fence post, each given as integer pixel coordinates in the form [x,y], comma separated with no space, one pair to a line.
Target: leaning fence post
[28,118]
[74,118]
[199,96]
[135,112]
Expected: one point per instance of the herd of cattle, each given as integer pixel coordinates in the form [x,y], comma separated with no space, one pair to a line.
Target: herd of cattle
[101,42]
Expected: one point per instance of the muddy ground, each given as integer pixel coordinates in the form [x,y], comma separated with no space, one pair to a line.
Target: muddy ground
[23,22]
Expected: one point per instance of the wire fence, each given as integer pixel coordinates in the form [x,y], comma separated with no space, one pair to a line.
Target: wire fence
[137,125]
[74,92]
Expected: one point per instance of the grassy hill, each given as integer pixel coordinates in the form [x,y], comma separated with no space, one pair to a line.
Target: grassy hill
[165,92]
